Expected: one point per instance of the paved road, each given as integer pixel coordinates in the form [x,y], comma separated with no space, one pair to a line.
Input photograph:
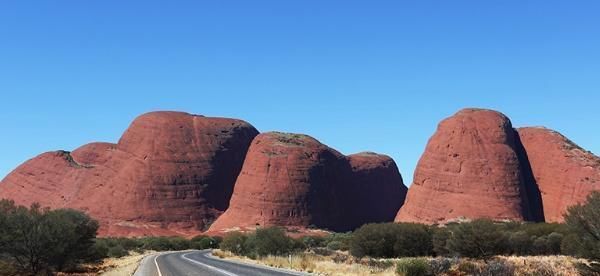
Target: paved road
[196,263]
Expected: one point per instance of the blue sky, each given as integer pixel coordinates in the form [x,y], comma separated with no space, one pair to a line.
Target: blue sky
[357,75]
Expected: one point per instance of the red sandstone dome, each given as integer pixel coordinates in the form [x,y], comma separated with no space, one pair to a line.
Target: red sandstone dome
[293,180]
[470,169]
[564,172]
[170,173]
[378,191]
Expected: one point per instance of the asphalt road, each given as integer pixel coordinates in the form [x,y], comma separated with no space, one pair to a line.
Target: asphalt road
[196,263]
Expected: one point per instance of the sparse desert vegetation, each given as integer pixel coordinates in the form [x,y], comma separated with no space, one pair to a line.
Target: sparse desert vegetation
[478,247]
[36,241]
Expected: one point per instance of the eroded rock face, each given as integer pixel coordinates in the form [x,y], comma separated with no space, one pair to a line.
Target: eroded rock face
[470,169]
[564,172]
[171,173]
[293,180]
[378,191]
[287,180]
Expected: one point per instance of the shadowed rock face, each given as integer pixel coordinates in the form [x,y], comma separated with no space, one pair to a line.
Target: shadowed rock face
[565,173]
[295,181]
[470,169]
[377,189]
[170,173]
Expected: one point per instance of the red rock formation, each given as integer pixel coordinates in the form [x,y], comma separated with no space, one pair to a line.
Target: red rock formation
[565,173]
[293,180]
[287,180]
[170,173]
[470,169]
[378,190]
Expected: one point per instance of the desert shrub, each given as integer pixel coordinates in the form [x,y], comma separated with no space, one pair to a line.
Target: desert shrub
[268,241]
[542,229]
[128,243]
[439,241]
[179,243]
[338,241]
[439,266]
[156,243]
[479,238]
[412,267]
[388,240]
[413,240]
[38,239]
[98,251]
[520,243]
[335,245]
[234,242]
[310,242]
[584,221]
[498,268]
[468,267]
[540,245]
[554,241]
[117,252]
[204,242]
[165,243]
[572,245]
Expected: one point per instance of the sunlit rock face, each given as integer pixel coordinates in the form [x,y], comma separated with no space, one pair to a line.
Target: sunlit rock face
[171,173]
[293,180]
[470,169]
[564,172]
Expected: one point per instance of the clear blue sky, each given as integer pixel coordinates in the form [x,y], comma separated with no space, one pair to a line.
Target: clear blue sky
[358,75]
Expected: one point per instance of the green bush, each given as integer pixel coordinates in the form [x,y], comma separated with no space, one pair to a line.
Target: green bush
[520,243]
[584,222]
[439,241]
[387,240]
[117,252]
[234,242]
[312,241]
[43,240]
[338,241]
[412,267]
[179,243]
[268,241]
[204,242]
[336,245]
[480,238]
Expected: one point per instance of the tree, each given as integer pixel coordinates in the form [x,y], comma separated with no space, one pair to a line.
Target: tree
[39,239]
[268,241]
[234,242]
[204,242]
[584,221]
[388,240]
[479,238]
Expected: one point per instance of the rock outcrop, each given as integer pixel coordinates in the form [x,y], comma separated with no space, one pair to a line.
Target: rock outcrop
[294,180]
[171,173]
[377,192]
[564,172]
[470,169]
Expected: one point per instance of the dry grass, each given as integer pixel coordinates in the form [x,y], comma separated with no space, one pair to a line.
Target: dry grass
[338,264]
[122,266]
[544,265]
[341,263]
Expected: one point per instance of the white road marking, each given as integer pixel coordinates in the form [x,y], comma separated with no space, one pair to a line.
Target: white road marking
[208,266]
[156,263]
